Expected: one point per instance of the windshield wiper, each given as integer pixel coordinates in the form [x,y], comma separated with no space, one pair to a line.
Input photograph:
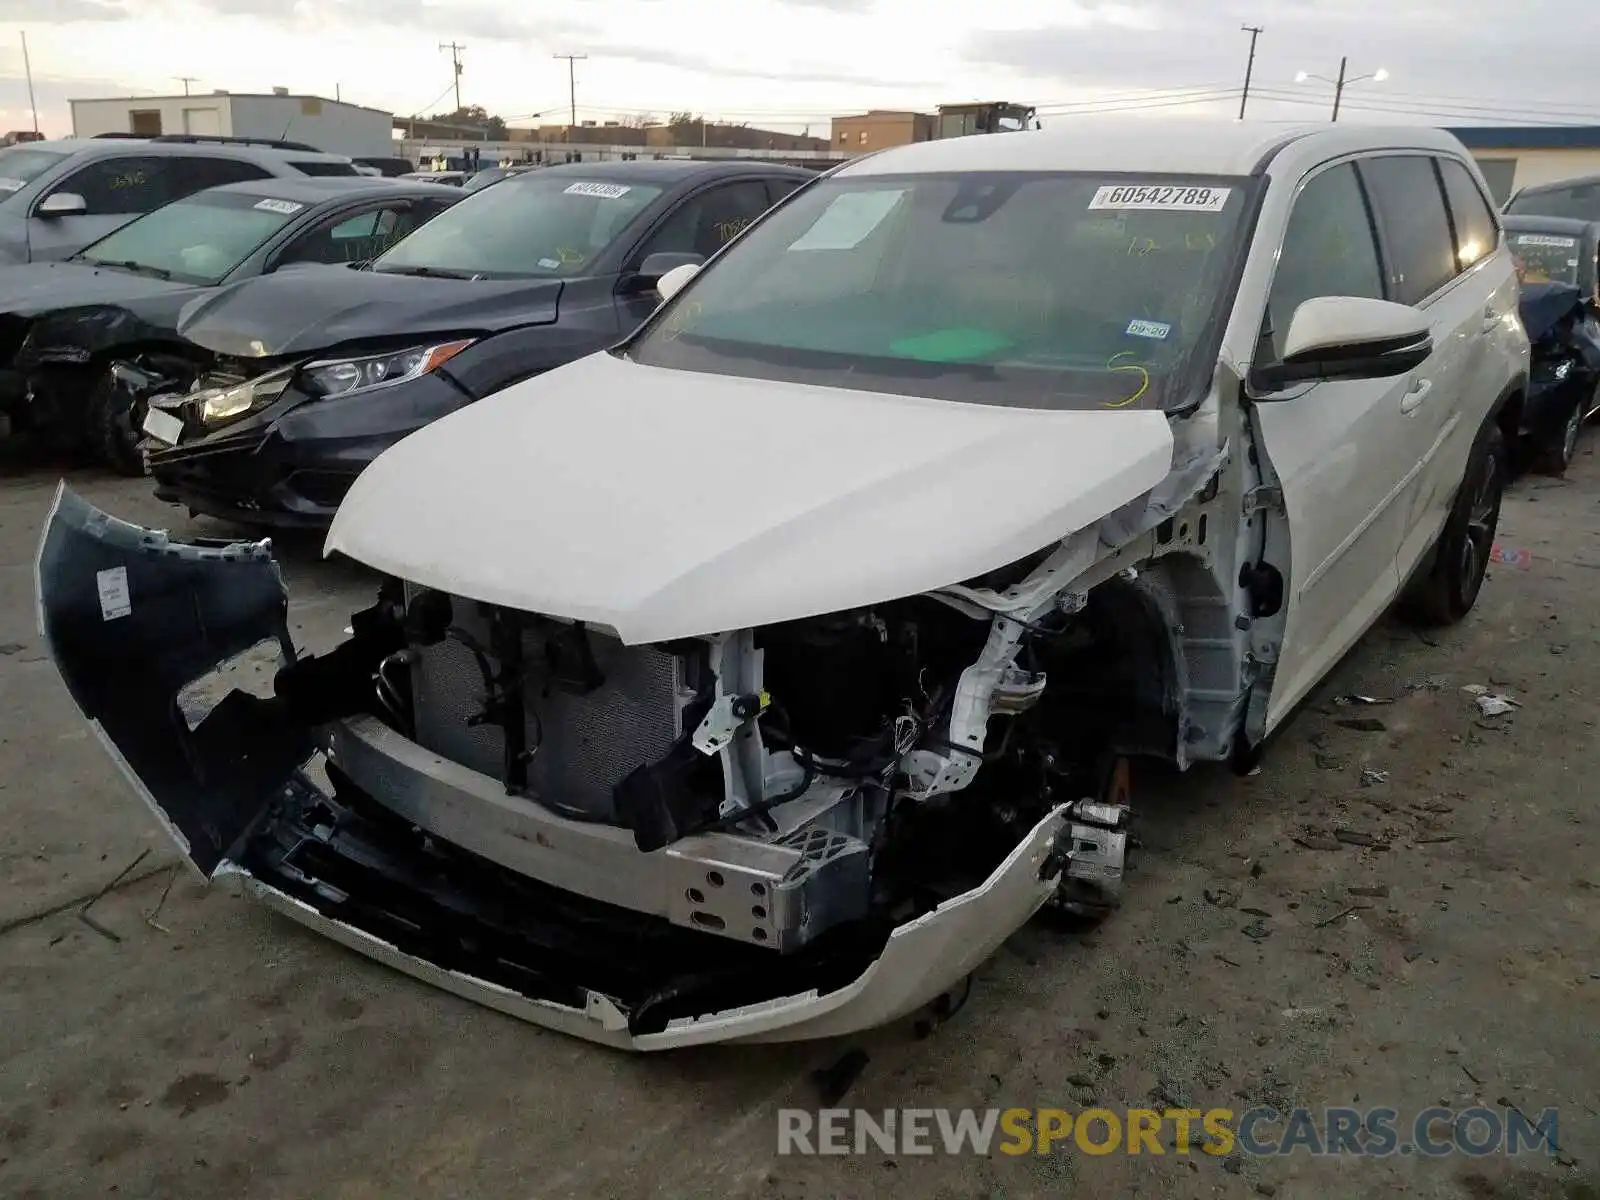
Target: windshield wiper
[427,272]
[138,268]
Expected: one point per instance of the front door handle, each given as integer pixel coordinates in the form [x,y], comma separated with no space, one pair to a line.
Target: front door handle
[1412,400]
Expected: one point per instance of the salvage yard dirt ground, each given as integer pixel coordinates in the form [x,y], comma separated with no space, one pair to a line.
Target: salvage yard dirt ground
[1402,915]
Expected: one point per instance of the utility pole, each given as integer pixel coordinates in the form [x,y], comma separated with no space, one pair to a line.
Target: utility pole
[1254,31]
[572,87]
[186,80]
[455,62]
[27,69]
[1338,88]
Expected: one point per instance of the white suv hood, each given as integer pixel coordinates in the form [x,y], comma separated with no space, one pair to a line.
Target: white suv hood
[665,504]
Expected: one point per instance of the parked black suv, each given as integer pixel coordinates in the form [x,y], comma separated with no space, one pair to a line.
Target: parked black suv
[319,371]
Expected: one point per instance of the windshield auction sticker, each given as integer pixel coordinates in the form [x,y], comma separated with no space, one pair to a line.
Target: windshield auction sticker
[1160,198]
[1545,239]
[286,207]
[606,191]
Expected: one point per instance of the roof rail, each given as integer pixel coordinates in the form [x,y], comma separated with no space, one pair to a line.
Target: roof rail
[210,138]
[143,137]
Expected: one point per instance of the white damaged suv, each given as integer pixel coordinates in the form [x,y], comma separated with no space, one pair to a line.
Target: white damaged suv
[755,679]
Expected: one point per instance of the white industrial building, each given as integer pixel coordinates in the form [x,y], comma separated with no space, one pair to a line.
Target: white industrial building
[329,125]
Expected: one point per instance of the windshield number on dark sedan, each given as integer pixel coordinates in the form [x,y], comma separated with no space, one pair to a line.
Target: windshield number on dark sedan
[606,191]
[1161,199]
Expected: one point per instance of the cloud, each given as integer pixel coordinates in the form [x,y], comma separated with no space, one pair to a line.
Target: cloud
[61,12]
[1434,53]
[707,65]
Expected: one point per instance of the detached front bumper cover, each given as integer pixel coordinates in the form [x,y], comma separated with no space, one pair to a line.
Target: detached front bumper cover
[132,618]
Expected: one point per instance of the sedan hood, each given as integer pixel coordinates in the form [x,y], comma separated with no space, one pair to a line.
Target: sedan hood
[313,308]
[28,291]
[665,504]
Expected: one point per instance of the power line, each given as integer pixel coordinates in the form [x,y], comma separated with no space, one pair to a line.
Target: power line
[455,62]
[1453,112]
[1089,107]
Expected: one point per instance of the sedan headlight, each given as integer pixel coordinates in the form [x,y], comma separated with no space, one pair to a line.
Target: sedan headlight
[224,404]
[341,377]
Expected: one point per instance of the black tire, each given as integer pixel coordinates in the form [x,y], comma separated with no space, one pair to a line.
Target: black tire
[1448,591]
[1557,457]
[115,419]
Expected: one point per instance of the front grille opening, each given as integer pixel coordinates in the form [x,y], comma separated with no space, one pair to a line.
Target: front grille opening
[351,860]
[324,488]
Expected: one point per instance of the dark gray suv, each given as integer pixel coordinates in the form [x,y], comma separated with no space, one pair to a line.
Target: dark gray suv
[58,196]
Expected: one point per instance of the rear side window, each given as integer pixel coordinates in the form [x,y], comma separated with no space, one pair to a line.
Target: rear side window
[1477,234]
[190,175]
[1328,250]
[1409,202]
[313,166]
[1581,201]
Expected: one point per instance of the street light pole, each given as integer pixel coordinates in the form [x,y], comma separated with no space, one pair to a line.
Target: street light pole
[1254,31]
[1344,81]
[27,69]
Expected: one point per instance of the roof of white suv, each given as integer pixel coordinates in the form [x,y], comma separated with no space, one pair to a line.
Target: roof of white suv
[1115,144]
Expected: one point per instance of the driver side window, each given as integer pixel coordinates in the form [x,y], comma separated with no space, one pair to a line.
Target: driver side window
[1329,249]
[350,239]
[705,222]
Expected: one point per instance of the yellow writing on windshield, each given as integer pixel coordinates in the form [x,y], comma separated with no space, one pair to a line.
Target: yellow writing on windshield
[1135,368]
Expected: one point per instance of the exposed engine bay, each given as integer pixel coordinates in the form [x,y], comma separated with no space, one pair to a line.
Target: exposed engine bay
[649,840]
[795,829]
[796,743]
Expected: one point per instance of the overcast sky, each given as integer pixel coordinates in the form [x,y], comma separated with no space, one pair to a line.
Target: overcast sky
[790,63]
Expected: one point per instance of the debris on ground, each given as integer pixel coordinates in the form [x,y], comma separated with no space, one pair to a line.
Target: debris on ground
[83,913]
[1363,724]
[1511,556]
[1376,891]
[1371,776]
[1354,837]
[1496,705]
[1348,701]
[834,1081]
[1317,841]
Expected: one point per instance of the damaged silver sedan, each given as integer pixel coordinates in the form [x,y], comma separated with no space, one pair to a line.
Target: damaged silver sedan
[755,679]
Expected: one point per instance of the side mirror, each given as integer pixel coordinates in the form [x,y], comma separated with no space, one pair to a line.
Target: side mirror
[63,204]
[656,265]
[673,282]
[1350,337]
